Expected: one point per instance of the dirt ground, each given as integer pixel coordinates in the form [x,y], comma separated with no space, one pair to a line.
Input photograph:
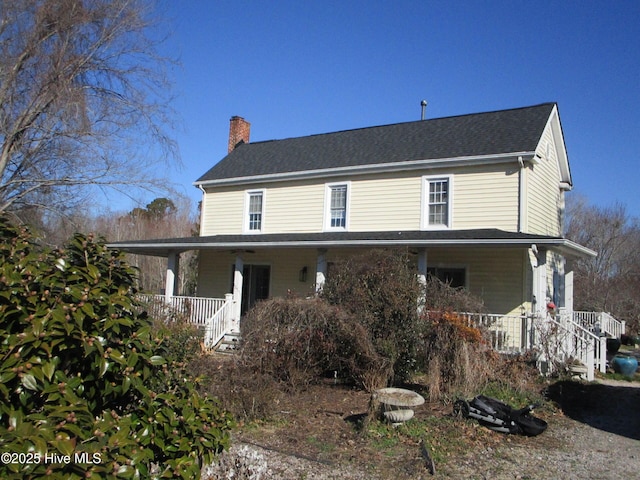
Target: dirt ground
[593,432]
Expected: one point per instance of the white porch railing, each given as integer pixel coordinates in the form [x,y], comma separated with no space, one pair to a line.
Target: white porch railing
[600,323]
[219,325]
[556,339]
[212,315]
[508,333]
[564,339]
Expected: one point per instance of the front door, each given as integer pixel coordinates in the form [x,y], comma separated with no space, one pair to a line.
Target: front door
[255,285]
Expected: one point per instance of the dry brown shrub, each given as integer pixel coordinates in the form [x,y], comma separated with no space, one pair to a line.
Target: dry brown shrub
[242,391]
[456,359]
[519,372]
[297,341]
[442,296]
[381,289]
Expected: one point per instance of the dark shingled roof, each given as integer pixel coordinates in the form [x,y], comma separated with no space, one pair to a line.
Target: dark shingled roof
[490,133]
[435,238]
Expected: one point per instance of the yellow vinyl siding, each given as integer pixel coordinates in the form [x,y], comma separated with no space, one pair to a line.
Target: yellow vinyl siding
[294,208]
[482,197]
[224,212]
[486,198]
[493,274]
[385,203]
[214,273]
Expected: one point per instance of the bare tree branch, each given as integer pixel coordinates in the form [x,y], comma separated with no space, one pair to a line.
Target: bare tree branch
[83,101]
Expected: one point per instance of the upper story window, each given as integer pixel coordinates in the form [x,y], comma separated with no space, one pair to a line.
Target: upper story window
[436,211]
[337,206]
[254,211]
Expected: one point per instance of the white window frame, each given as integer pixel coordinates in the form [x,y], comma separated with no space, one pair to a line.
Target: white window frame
[327,206]
[424,207]
[246,224]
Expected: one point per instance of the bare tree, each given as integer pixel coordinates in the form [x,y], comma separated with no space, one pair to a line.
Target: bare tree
[611,281]
[162,218]
[83,102]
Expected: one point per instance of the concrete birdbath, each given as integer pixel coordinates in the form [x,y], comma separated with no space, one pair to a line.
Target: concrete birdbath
[395,404]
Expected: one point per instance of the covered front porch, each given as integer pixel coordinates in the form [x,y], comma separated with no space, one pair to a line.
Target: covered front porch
[517,276]
[579,336]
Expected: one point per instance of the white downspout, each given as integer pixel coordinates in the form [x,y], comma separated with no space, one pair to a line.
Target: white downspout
[521,195]
[202,207]
[422,277]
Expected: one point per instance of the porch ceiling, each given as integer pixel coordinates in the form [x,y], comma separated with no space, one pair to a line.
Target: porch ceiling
[439,238]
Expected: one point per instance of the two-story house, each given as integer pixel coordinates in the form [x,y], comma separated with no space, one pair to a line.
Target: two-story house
[477,199]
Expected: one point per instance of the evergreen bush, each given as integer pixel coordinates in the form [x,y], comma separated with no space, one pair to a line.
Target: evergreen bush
[85,388]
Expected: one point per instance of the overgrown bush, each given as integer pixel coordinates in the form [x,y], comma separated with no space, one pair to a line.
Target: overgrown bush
[454,355]
[440,296]
[380,288]
[297,341]
[82,375]
[241,388]
[181,340]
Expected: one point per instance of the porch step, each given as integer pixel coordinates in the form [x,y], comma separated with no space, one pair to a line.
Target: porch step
[229,343]
[578,371]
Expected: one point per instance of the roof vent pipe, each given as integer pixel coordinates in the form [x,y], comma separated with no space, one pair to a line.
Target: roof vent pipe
[423,104]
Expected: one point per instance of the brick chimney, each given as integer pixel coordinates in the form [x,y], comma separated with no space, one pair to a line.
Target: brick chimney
[239,130]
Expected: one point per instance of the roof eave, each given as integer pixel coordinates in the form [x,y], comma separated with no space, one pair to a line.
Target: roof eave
[163,249]
[372,168]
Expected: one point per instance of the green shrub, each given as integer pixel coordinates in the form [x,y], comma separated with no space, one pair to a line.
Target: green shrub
[81,373]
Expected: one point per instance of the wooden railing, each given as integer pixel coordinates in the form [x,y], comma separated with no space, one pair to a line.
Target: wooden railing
[219,325]
[507,333]
[556,339]
[600,323]
[568,340]
[212,315]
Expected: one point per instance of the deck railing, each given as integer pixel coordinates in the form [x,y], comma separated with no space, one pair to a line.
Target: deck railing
[219,325]
[212,315]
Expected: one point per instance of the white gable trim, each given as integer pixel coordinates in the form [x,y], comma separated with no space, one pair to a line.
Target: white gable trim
[554,124]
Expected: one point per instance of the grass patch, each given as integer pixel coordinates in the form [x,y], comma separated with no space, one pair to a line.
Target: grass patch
[444,437]
[320,445]
[619,376]
[517,398]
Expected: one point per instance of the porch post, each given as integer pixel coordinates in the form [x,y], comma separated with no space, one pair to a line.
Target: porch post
[237,289]
[171,282]
[422,277]
[321,269]
[540,282]
[568,292]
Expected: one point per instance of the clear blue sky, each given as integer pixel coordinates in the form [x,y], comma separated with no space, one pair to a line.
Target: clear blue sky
[295,68]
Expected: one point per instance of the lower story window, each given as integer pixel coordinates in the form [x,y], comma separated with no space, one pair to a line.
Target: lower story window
[454,277]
